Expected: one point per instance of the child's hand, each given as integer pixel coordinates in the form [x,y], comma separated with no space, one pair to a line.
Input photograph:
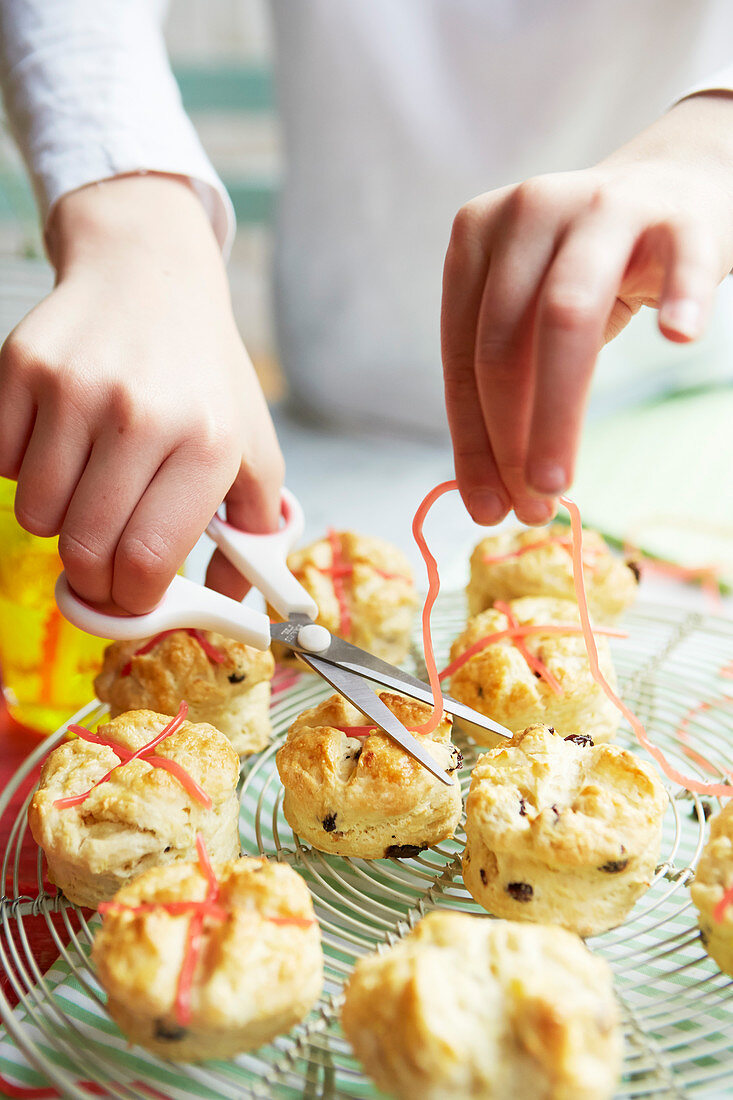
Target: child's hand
[538,276]
[130,408]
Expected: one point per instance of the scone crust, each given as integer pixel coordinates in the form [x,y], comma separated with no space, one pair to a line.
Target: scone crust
[142,816]
[610,584]
[561,832]
[234,696]
[523,1011]
[366,797]
[381,607]
[498,682]
[255,978]
[713,877]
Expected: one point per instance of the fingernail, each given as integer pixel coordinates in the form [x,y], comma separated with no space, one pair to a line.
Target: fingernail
[535,511]
[547,477]
[485,506]
[683,316]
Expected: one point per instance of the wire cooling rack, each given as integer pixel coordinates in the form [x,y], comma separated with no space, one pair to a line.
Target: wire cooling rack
[674,669]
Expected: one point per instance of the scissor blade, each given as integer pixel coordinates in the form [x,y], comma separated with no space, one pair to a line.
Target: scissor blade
[345,655]
[416,689]
[353,688]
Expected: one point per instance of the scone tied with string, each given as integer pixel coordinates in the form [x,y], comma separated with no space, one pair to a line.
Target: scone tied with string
[224,682]
[562,831]
[712,890]
[350,790]
[506,669]
[364,590]
[539,562]
[466,1007]
[209,960]
[132,796]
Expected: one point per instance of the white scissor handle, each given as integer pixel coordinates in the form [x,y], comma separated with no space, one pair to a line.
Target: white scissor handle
[185,604]
[262,558]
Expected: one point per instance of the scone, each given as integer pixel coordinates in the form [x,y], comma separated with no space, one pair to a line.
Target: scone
[224,682]
[562,831]
[364,590]
[363,795]
[140,816]
[466,1007]
[500,682]
[712,890]
[538,562]
[205,962]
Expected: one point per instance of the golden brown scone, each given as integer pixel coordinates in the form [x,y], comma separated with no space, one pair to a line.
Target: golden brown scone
[467,1008]
[365,796]
[498,682]
[713,878]
[255,977]
[377,589]
[610,583]
[233,695]
[560,831]
[141,816]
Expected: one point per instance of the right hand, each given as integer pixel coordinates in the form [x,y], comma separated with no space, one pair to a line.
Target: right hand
[539,275]
[130,408]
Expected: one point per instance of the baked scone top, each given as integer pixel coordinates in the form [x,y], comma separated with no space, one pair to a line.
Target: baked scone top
[177,667]
[714,874]
[378,582]
[139,801]
[544,567]
[372,775]
[500,665]
[469,1006]
[565,801]
[139,954]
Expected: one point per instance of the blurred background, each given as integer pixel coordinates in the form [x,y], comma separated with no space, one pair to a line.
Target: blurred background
[658,450]
[222,60]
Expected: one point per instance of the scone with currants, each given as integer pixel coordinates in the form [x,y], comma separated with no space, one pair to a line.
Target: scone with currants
[506,670]
[712,890]
[352,791]
[466,1007]
[538,562]
[203,960]
[562,831]
[225,683]
[131,796]
[364,590]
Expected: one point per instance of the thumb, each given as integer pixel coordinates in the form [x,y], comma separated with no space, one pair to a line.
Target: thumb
[252,504]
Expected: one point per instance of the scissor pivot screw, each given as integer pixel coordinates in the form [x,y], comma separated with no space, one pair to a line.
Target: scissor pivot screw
[314,638]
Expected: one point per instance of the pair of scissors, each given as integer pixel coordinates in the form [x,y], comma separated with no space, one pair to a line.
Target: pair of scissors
[262,560]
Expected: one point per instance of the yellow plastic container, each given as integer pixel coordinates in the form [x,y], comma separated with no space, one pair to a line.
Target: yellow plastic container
[47,665]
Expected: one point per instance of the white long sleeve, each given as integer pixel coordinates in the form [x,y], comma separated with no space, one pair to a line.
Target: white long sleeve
[90,95]
[720,81]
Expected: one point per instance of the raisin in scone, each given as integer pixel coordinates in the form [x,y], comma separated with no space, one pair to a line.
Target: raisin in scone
[256,969]
[466,1007]
[355,793]
[498,680]
[364,590]
[713,881]
[562,831]
[538,562]
[225,683]
[142,815]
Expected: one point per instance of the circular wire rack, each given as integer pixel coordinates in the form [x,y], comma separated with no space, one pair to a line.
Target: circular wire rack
[675,671]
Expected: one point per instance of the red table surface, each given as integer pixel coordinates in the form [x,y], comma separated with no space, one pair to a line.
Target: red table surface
[16,743]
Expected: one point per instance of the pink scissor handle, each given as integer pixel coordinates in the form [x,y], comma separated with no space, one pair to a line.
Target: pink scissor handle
[185,604]
[262,558]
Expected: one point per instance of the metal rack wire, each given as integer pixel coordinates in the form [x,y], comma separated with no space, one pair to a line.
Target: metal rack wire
[677,1006]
